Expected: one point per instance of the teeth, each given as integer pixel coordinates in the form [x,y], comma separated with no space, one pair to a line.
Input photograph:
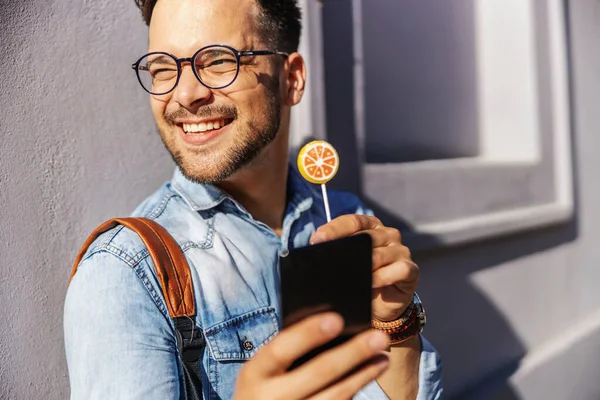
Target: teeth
[203,126]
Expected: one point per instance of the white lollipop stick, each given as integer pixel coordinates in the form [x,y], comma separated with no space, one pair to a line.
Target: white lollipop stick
[326,201]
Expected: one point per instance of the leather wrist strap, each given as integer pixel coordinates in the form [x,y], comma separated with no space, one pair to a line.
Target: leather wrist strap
[411,331]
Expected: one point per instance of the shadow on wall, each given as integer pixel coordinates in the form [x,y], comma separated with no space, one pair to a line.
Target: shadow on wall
[479,347]
[419,60]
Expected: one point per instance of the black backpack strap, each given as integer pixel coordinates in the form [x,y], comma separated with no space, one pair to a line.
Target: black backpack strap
[191,344]
[175,279]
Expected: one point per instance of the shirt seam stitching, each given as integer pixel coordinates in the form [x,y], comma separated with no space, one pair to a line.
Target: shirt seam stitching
[191,203]
[161,207]
[141,275]
[237,320]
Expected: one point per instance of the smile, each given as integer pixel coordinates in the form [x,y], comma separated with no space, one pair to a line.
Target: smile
[206,126]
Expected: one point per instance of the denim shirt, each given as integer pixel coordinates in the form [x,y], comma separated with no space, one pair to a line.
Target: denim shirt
[119,339]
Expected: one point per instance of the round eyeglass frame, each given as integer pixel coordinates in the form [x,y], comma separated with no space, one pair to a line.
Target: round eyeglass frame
[179,61]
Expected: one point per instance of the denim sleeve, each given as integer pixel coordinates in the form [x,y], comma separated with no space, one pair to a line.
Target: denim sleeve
[430,378]
[119,345]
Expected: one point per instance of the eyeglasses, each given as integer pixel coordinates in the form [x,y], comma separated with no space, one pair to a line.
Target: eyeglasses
[215,66]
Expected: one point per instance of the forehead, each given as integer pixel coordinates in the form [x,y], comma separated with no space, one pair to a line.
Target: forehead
[183,26]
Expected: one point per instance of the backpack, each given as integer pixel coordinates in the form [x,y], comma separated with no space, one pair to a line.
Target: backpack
[175,280]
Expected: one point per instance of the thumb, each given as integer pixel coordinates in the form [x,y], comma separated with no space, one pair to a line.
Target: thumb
[292,343]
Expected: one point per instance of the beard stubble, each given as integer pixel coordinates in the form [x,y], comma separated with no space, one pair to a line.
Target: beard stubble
[248,142]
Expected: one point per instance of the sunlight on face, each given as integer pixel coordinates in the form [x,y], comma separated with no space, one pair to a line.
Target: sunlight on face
[213,133]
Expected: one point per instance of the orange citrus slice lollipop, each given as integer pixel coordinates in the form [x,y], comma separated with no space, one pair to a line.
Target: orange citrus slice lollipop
[318,162]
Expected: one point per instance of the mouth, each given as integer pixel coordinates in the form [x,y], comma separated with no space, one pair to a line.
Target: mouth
[203,133]
[205,127]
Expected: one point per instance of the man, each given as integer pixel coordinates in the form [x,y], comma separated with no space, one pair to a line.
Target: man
[233,206]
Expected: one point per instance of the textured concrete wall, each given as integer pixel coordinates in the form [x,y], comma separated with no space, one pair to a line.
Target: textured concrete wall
[516,317]
[519,317]
[78,146]
[411,70]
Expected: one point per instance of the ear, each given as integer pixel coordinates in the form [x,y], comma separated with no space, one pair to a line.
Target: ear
[295,79]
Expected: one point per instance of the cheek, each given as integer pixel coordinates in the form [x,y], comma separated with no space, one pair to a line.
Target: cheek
[158,107]
[251,104]
[252,94]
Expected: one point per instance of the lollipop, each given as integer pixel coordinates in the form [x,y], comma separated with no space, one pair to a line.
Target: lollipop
[318,162]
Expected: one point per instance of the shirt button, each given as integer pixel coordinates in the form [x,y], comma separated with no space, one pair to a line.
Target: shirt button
[248,346]
[284,253]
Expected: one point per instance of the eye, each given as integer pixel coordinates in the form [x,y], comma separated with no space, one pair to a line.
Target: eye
[218,63]
[221,65]
[223,61]
[216,60]
[163,73]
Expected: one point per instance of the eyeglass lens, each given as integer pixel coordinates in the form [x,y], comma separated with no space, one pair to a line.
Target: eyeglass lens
[215,66]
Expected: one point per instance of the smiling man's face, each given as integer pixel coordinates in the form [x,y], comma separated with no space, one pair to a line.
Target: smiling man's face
[213,133]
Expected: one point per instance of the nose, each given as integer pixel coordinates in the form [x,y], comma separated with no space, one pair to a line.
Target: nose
[190,93]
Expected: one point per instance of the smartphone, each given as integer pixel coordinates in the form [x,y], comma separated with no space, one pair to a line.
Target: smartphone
[331,276]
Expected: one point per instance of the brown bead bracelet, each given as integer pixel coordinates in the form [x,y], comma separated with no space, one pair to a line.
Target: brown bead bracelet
[410,323]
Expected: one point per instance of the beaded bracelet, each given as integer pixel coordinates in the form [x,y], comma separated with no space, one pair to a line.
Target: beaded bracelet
[410,323]
[408,318]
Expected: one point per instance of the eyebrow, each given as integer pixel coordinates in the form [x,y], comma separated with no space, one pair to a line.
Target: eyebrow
[218,52]
[161,60]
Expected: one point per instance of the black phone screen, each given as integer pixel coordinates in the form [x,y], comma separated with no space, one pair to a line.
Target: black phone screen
[331,276]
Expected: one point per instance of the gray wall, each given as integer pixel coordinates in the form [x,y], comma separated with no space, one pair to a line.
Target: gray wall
[78,146]
[515,316]
[419,67]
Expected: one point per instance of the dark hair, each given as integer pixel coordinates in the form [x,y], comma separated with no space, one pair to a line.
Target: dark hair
[280,21]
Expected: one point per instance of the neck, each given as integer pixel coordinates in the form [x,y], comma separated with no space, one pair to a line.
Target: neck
[261,186]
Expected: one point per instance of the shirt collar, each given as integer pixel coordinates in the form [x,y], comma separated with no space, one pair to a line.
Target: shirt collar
[299,199]
[200,197]
[299,193]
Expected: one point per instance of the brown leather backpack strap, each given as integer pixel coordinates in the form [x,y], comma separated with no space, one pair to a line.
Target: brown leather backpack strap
[171,266]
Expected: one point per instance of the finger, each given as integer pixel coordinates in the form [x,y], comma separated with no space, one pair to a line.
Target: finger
[384,256]
[330,366]
[403,273]
[384,236]
[344,226]
[295,341]
[348,387]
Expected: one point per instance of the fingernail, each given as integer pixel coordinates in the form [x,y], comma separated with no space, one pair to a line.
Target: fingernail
[378,341]
[318,237]
[331,325]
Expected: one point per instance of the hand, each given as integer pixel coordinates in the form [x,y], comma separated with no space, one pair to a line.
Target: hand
[327,376]
[395,275]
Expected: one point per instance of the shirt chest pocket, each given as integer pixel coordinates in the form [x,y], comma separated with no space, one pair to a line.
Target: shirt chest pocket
[239,338]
